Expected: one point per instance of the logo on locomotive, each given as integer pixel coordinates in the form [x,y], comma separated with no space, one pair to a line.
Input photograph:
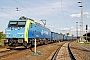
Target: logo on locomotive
[44,32]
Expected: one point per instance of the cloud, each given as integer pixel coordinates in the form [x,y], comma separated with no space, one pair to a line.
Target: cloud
[79,15]
[75,15]
[72,29]
[65,29]
[47,9]
[7,16]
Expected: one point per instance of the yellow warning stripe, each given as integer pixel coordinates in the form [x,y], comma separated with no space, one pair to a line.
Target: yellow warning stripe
[26,30]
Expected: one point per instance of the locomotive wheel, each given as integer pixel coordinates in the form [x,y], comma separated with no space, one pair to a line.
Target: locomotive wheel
[46,42]
[25,44]
[30,45]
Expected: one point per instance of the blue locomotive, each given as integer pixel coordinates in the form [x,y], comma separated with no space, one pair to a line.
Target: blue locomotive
[22,32]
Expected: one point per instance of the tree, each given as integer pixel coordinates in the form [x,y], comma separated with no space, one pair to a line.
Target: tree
[67,34]
[60,33]
[2,36]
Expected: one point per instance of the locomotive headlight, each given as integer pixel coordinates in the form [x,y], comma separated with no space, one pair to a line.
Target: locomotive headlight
[20,33]
[15,29]
[8,30]
[8,33]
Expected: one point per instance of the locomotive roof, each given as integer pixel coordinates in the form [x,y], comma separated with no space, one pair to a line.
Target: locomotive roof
[32,21]
[17,20]
[41,25]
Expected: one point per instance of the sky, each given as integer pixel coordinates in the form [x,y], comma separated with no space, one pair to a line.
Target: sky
[60,15]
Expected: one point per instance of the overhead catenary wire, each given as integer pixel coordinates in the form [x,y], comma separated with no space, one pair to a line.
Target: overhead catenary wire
[6,14]
[5,11]
[63,14]
[68,31]
[26,9]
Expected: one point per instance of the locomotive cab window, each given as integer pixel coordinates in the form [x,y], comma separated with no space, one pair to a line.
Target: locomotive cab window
[12,24]
[21,23]
[30,25]
[16,24]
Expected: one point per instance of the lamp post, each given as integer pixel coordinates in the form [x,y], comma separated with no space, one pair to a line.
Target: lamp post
[81,27]
[35,41]
[86,32]
[77,29]
[17,9]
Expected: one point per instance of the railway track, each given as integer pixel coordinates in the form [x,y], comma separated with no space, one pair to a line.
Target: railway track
[5,50]
[70,54]
[55,54]
[7,53]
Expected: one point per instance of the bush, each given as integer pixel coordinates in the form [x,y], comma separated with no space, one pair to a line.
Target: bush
[2,37]
[87,42]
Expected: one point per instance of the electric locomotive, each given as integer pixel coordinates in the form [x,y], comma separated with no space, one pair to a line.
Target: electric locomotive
[22,32]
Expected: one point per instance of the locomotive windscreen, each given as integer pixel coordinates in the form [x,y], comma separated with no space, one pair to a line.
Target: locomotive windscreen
[17,24]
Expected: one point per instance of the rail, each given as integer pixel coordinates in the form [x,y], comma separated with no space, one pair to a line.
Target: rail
[54,55]
[71,54]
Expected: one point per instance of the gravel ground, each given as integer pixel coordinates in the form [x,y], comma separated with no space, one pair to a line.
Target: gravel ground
[81,51]
[46,52]
[3,48]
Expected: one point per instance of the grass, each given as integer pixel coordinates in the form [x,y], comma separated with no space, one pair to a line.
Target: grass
[86,42]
